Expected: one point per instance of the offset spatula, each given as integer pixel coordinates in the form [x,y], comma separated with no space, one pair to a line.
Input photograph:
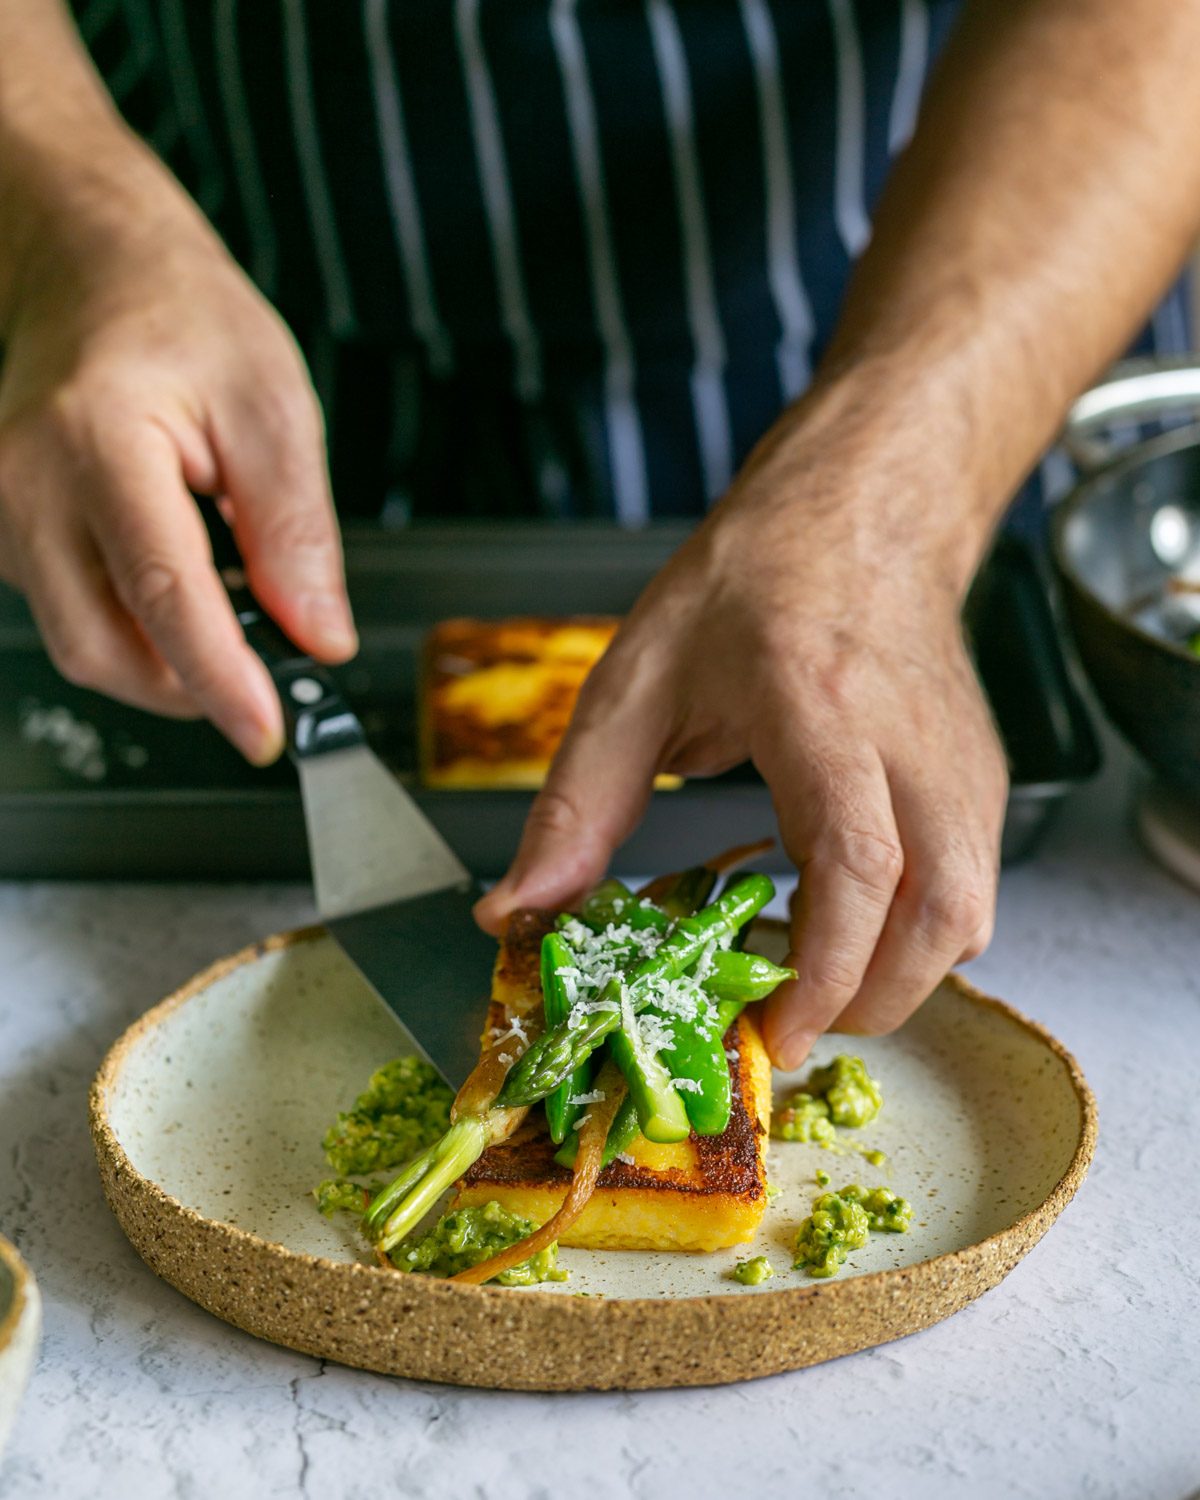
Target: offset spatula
[388,886]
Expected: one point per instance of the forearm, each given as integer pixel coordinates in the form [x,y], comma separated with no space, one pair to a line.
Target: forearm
[71,173]
[1051,192]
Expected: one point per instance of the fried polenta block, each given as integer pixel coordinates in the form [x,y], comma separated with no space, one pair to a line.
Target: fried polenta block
[704,1193]
[497,696]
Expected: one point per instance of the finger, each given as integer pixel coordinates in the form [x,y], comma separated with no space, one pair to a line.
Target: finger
[594,797]
[154,545]
[271,453]
[944,906]
[90,637]
[838,827]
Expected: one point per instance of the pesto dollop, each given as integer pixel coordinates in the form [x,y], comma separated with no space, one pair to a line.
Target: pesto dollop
[840,1095]
[753,1272]
[336,1195]
[852,1095]
[466,1236]
[804,1118]
[841,1222]
[884,1210]
[403,1109]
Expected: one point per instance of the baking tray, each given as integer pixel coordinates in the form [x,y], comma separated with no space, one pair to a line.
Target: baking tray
[90,789]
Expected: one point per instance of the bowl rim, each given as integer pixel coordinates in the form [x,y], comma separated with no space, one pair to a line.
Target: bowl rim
[1075,501]
[10,1320]
[145,1210]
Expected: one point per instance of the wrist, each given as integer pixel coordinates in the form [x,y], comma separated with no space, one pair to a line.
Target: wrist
[882,459]
[78,203]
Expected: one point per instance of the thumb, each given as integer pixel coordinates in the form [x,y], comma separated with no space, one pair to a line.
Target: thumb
[594,797]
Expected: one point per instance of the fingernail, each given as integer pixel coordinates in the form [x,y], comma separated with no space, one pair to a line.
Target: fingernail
[792,1048]
[328,618]
[259,734]
[259,744]
[494,897]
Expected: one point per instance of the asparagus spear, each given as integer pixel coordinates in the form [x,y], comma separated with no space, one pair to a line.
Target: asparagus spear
[482,1117]
[554,1056]
[621,1134]
[561,1114]
[613,904]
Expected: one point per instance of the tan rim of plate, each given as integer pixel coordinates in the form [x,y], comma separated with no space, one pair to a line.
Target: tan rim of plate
[425,1329]
[11,1317]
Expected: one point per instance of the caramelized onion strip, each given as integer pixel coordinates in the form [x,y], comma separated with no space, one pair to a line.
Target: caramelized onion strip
[592,1135]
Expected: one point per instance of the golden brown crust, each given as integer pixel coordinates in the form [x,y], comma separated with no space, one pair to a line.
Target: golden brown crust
[730,1165]
[699,1195]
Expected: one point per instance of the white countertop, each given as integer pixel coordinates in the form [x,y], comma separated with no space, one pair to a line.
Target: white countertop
[1078,1377]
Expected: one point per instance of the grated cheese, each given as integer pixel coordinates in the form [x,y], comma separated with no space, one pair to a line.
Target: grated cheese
[595,1097]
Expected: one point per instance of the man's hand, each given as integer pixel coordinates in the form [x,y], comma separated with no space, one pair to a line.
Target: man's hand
[126,385]
[1048,196]
[140,366]
[788,632]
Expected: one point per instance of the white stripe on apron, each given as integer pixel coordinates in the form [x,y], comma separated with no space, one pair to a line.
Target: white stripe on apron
[910,73]
[497,200]
[312,172]
[849,206]
[627,457]
[793,354]
[211,188]
[264,253]
[707,381]
[405,208]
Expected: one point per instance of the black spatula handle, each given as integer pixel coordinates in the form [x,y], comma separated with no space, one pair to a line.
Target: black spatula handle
[317,718]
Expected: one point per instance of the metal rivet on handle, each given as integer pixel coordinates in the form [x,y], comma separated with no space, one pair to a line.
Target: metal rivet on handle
[306,691]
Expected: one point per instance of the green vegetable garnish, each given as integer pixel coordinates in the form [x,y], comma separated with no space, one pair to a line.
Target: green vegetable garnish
[467,1236]
[835,1227]
[403,1109]
[884,1210]
[804,1118]
[555,1056]
[853,1096]
[753,1272]
[842,1094]
[339,1196]
[842,1221]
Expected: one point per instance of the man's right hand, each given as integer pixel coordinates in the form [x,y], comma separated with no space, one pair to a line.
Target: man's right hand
[141,366]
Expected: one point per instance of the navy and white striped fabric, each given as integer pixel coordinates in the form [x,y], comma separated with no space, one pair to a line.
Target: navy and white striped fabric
[557,257]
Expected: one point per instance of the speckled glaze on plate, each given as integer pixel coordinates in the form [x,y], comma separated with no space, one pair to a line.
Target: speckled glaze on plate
[208,1113]
[20,1327]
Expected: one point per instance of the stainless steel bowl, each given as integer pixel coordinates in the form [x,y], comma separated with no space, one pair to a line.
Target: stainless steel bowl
[1126,544]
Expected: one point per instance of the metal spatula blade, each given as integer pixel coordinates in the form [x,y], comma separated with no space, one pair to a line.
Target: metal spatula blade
[391,890]
[398,900]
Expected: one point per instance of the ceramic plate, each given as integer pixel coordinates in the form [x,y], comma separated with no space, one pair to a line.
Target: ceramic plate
[208,1113]
[20,1325]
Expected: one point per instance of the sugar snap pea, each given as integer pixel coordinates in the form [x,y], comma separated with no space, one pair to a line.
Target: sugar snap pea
[554,1056]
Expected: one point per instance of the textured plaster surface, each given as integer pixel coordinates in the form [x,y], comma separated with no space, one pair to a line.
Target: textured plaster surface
[1078,1377]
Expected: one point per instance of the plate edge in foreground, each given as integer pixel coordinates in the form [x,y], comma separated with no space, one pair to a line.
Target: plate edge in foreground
[425,1329]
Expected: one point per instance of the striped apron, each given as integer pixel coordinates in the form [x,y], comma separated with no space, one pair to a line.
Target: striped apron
[561,258]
